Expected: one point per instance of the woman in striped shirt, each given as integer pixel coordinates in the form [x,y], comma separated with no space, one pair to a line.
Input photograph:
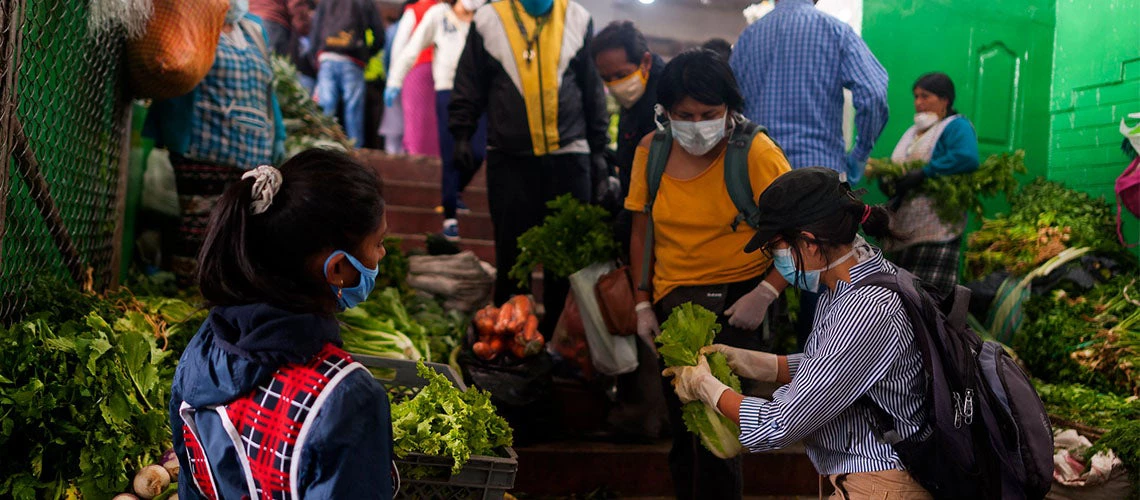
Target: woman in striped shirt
[862,344]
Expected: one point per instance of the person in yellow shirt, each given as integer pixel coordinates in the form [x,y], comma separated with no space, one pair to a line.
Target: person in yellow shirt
[698,240]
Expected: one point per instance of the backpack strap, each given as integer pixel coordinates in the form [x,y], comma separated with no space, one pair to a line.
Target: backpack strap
[736,177]
[654,170]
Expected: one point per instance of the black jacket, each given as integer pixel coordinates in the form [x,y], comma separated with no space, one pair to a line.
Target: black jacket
[339,26]
[489,80]
[635,123]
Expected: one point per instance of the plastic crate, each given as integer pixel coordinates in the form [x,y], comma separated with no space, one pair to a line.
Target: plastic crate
[482,478]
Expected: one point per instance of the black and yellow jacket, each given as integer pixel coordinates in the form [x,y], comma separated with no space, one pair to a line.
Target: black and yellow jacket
[553,103]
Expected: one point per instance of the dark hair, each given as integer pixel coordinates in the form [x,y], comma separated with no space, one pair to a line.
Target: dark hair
[327,200]
[940,85]
[720,46]
[702,75]
[840,227]
[620,35]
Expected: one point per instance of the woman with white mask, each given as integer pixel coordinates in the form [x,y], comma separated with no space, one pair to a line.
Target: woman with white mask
[693,253]
[862,351]
[945,143]
[444,27]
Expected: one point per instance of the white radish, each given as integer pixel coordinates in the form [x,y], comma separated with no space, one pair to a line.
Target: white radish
[151,481]
[125,496]
[172,468]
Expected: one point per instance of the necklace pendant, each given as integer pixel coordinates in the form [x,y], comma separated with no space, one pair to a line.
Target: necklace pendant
[528,55]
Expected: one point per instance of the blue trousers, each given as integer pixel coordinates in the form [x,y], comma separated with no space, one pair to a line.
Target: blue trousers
[454,181]
[338,82]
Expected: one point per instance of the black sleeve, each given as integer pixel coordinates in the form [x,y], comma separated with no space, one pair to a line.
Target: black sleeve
[377,26]
[469,93]
[316,35]
[593,96]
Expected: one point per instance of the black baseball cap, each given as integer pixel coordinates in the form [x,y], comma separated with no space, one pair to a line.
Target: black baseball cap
[798,198]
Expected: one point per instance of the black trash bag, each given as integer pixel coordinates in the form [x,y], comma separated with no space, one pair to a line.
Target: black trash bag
[1080,275]
[983,292]
[522,391]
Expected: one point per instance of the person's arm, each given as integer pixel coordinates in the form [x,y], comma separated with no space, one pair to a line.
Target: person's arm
[867,80]
[635,203]
[300,16]
[956,151]
[349,449]
[403,32]
[472,84]
[853,356]
[422,37]
[593,96]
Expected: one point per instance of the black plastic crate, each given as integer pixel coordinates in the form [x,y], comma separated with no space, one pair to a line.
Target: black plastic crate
[482,478]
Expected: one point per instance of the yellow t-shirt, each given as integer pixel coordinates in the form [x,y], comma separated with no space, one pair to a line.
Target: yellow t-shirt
[694,243]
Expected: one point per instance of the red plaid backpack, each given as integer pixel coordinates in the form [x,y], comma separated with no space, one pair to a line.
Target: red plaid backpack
[269,426]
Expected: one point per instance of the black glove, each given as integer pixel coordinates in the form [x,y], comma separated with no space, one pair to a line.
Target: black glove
[607,187]
[463,157]
[903,186]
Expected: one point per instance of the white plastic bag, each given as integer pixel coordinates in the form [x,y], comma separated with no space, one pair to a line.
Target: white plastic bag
[611,355]
[160,193]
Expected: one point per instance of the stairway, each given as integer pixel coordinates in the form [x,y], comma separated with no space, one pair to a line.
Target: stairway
[412,191]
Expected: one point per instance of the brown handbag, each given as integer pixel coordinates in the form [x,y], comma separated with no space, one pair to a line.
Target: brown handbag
[617,301]
[178,48]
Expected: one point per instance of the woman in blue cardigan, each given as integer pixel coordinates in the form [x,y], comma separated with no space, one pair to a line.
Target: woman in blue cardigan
[945,141]
[229,124]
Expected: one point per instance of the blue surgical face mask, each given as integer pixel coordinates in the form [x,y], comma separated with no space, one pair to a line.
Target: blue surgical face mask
[537,7]
[806,280]
[238,10]
[347,298]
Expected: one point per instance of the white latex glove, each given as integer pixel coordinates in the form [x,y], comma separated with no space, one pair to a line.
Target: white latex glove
[647,327]
[696,383]
[755,365]
[748,312]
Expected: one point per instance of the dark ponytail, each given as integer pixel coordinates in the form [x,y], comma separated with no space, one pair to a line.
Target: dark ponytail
[877,224]
[841,226]
[326,201]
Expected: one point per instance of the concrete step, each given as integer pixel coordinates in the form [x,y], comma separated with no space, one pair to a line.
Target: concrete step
[427,195]
[421,220]
[577,468]
[484,249]
[410,168]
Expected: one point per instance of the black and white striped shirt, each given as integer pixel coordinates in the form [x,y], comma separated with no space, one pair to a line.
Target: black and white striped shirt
[861,343]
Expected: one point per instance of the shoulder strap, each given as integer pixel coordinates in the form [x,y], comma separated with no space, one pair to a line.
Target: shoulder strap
[654,170]
[736,177]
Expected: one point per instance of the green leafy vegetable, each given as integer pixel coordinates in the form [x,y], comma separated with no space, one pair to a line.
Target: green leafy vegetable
[689,328]
[957,194]
[1124,440]
[383,326]
[444,421]
[574,236]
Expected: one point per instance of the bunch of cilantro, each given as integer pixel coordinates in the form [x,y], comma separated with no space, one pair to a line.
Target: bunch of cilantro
[689,328]
[954,195]
[574,236]
[444,421]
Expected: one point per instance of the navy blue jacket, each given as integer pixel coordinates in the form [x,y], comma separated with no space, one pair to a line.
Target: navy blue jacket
[348,453]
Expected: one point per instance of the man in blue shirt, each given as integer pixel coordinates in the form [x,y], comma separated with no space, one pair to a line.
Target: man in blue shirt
[793,65]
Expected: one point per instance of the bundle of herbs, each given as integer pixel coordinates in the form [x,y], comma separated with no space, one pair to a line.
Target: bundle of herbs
[1045,218]
[574,236]
[955,195]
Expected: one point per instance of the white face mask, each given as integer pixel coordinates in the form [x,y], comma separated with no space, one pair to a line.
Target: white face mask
[238,10]
[699,138]
[628,90]
[472,5]
[923,121]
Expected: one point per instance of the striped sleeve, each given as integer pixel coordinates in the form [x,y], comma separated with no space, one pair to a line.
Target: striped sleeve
[867,80]
[794,363]
[852,356]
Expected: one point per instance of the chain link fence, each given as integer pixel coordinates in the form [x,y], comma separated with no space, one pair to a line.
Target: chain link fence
[63,122]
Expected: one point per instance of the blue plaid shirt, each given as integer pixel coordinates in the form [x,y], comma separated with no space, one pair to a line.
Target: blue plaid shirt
[792,66]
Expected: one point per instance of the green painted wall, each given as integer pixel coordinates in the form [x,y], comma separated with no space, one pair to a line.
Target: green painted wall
[999,54]
[1096,82]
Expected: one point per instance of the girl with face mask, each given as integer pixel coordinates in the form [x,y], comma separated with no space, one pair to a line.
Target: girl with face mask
[696,250]
[862,344]
[946,144]
[285,250]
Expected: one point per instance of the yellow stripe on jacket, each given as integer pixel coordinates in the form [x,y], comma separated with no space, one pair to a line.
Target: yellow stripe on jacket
[539,77]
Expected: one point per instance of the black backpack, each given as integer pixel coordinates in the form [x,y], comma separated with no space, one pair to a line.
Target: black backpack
[736,179]
[987,434]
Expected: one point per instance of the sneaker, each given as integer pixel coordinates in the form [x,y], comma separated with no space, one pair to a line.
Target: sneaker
[462,207]
[451,229]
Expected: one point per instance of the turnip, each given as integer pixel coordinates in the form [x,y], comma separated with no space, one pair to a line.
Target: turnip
[172,468]
[168,456]
[125,496]
[151,481]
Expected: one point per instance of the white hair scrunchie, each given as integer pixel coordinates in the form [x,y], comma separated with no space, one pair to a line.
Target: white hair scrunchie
[267,181]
